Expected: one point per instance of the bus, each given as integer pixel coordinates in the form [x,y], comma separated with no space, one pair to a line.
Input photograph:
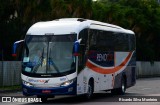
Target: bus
[74,56]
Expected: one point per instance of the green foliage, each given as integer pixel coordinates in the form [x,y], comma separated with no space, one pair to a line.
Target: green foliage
[141,16]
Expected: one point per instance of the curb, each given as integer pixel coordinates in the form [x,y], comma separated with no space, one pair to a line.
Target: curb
[8,91]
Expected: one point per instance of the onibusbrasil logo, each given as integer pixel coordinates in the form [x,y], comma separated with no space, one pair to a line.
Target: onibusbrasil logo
[21,99]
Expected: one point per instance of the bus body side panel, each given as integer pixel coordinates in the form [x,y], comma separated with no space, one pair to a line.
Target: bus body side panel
[131,80]
[83,79]
[117,81]
[130,77]
[80,83]
[129,72]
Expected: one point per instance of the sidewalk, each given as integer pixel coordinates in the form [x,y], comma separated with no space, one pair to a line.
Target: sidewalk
[8,91]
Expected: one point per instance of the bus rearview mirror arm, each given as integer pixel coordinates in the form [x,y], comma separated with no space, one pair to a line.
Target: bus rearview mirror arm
[15,46]
[76,47]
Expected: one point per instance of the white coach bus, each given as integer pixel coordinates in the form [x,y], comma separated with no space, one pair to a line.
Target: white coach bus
[74,56]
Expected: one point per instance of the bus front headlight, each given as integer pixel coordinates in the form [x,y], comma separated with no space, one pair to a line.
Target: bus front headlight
[66,83]
[28,84]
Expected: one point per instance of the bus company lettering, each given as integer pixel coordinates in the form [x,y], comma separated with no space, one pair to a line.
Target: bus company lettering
[42,81]
[104,57]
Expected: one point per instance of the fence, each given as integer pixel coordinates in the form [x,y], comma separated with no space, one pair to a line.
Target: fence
[10,71]
[147,69]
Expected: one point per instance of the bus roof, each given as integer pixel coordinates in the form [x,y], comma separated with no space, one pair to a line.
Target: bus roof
[70,26]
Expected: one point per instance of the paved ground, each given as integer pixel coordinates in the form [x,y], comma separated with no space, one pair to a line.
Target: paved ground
[144,88]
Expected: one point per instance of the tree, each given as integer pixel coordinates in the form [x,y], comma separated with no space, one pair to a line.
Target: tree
[71,8]
[141,16]
[16,17]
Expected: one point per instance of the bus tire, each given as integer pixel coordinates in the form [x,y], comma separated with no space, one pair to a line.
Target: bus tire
[89,93]
[121,90]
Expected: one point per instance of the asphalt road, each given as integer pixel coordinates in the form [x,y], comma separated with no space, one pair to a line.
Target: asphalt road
[146,89]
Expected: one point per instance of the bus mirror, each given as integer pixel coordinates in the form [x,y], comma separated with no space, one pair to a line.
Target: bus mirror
[15,46]
[76,48]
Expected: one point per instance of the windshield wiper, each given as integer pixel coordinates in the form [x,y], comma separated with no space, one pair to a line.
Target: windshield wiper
[42,57]
[52,63]
[40,62]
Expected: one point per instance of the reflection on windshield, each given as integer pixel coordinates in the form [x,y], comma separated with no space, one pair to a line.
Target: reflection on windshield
[49,55]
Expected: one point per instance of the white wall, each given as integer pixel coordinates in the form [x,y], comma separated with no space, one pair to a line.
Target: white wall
[146,69]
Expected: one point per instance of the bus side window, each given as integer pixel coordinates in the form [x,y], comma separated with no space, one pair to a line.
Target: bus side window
[126,42]
[121,42]
[132,42]
[82,58]
[84,36]
[105,41]
[92,40]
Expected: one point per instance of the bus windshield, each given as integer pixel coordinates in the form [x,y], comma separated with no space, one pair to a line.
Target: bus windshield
[49,54]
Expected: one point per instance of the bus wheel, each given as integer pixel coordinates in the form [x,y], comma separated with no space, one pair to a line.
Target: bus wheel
[122,89]
[43,98]
[90,90]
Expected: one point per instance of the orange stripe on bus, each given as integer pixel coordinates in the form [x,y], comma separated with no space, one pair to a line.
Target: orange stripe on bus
[108,70]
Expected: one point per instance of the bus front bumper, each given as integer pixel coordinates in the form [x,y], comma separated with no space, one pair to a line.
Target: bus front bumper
[63,90]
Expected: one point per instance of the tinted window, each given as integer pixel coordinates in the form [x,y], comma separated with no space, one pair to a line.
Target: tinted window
[132,42]
[121,42]
[83,49]
[101,40]
[111,41]
[84,36]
